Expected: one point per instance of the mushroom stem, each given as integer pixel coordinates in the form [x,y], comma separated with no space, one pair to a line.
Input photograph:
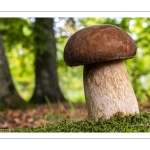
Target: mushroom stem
[108,90]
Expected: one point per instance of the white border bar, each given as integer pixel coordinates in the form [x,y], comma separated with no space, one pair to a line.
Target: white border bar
[74,136]
[78,5]
[75,14]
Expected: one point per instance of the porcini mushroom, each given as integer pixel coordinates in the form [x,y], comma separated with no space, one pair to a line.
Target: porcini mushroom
[107,87]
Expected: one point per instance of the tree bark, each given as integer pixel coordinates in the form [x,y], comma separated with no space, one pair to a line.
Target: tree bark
[46,79]
[8,94]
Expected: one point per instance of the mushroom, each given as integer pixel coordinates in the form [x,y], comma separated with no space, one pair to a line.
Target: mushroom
[102,49]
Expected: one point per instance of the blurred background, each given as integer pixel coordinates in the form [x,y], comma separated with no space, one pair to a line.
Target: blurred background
[32,67]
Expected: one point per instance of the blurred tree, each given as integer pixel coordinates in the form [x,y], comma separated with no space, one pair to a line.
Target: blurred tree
[46,79]
[70,77]
[8,94]
[16,33]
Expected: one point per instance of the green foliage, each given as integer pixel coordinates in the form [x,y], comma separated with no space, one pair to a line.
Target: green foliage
[132,123]
[21,67]
[138,67]
[17,37]
[16,31]
[19,44]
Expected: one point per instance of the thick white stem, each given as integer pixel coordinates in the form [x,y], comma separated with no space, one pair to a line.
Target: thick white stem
[108,90]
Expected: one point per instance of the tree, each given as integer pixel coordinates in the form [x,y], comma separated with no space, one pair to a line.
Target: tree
[17,40]
[46,79]
[8,94]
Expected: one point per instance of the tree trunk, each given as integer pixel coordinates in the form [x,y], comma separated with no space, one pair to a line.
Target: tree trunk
[46,79]
[8,94]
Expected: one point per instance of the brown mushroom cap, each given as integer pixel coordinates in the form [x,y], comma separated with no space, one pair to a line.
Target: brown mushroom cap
[98,43]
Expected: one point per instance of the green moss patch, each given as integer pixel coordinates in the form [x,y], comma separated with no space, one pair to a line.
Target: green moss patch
[136,123]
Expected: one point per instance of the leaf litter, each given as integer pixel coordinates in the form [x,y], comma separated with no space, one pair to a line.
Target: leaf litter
[41,115]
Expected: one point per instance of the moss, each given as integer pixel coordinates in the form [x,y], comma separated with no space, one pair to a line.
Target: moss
[136,123]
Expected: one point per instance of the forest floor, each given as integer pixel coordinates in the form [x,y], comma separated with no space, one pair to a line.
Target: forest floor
[42,115]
